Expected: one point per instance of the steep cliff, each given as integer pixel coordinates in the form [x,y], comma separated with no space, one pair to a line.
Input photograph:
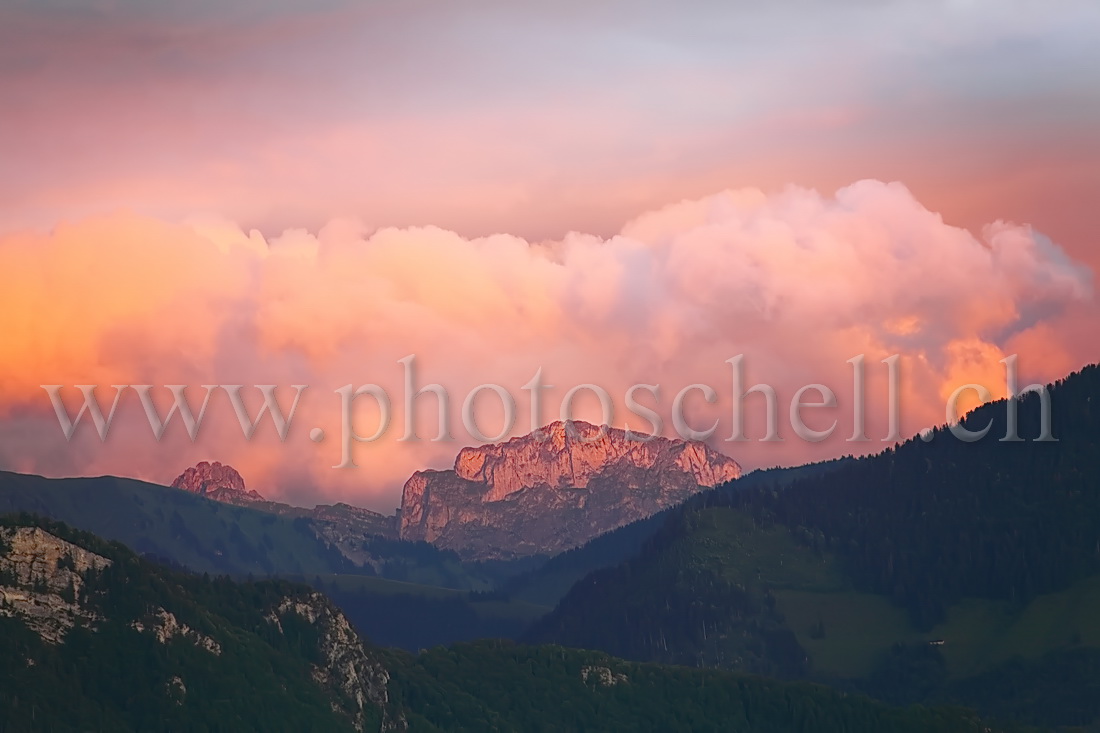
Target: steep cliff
[552,490]
[344,665]
[41,578]
[216,481]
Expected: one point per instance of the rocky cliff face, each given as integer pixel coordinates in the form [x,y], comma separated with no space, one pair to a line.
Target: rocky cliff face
[215,481]
[549,491]
[344,666]
[41,577]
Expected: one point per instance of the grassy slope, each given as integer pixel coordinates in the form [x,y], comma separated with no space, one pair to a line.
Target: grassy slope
[445,573]
[547,584]
[859,627]
[978,633]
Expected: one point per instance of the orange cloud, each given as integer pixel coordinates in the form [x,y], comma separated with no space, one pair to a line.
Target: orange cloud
[796,281]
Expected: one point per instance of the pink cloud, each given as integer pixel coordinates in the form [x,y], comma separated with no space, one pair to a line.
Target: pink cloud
[797,282]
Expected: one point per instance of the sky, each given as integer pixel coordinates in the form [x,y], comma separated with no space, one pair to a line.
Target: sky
[613,193]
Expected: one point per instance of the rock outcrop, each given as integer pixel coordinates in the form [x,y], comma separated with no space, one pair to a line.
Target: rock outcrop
[41,578]
[555,489]
[602,676]
[215,481]
[165,626]
[344,666]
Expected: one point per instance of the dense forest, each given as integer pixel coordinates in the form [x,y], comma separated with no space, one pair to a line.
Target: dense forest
[930,523]
[502,686]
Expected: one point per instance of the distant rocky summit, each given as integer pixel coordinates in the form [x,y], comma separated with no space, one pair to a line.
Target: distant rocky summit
[550,491]
[215,481]
[347,528]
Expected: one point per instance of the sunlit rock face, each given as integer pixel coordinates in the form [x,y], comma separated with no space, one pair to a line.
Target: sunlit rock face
[215,481]
[555,489]
[41,577]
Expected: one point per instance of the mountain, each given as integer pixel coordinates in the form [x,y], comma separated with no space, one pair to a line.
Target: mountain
[177,526]
[215,481]
[936,571]
[532,496]
[347,528]
[351,530]
[554,489]
[92,637]
[217,537]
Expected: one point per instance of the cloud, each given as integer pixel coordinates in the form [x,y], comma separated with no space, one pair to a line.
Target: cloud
[797,281]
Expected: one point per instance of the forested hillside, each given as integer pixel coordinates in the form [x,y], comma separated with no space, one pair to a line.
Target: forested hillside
[933,522]
[848,575]
[96,638]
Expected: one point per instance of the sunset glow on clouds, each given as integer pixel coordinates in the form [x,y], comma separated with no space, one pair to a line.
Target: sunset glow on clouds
[616,196]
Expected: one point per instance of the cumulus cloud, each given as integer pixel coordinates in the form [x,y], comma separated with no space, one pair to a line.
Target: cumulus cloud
[797,281]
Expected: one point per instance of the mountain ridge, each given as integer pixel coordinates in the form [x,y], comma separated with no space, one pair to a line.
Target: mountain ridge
[554,489]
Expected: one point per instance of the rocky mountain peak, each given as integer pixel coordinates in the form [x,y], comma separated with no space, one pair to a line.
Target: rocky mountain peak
[570,454]
[216,481]
[554,489]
